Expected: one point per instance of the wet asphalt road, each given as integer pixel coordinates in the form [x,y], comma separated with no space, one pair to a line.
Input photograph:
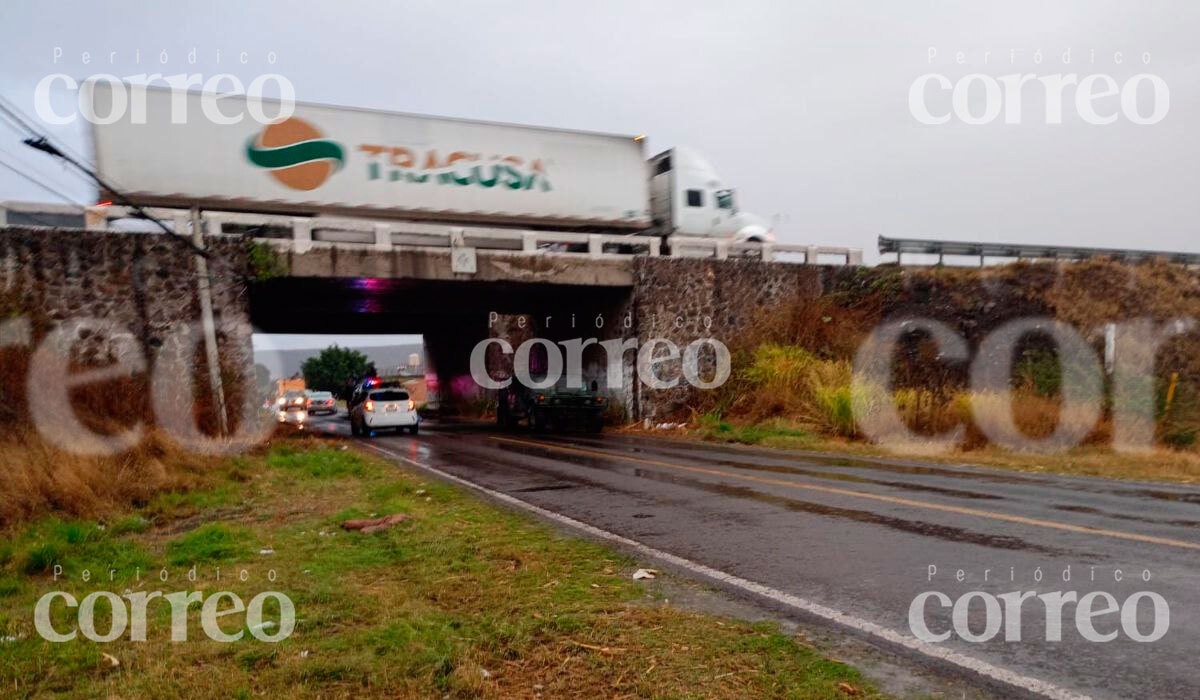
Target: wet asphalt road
[860,536]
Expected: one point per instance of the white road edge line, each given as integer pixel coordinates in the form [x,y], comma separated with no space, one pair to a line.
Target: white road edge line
[970,663]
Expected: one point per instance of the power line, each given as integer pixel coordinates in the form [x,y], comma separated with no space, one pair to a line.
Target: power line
[40,184]
[14,114]
[27,124]
[12,123]
[20,123]
[47,175]
[42,143]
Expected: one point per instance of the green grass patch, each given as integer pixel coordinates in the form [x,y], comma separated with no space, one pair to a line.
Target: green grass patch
[320,464]
[712,427]
[212,543]
[75,545]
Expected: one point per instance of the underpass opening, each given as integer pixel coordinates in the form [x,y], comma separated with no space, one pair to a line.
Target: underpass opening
[453,318]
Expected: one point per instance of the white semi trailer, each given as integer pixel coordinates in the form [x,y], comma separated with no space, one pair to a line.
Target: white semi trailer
[189,148]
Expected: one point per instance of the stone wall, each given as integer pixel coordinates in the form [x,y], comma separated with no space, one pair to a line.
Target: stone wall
[686,299]
[144,283]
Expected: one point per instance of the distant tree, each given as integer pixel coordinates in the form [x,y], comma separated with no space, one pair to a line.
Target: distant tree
[334,368]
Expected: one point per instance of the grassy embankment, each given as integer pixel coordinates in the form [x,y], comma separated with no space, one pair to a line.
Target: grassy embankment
[463,600]
[786,396]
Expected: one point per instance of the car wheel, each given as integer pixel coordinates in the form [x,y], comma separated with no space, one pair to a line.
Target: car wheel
[353,428]
[413,429]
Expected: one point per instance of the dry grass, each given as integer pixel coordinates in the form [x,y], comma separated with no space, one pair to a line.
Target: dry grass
[788,380]
[40,479]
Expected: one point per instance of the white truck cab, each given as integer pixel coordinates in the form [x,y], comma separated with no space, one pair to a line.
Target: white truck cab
[688,198]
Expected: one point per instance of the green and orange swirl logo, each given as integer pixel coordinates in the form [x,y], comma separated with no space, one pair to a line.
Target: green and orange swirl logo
[296,153]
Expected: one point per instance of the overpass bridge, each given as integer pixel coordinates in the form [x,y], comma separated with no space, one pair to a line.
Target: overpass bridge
[434,251]
[453,285]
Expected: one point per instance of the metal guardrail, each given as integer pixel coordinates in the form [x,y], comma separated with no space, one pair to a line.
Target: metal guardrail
[1021,251]
[300,234]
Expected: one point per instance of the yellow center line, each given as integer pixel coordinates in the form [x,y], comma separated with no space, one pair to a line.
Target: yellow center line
[911,502]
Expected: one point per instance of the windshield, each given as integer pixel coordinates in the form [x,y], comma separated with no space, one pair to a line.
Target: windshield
[724,199]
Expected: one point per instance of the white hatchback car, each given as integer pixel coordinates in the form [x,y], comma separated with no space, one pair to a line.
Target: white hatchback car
[382,409]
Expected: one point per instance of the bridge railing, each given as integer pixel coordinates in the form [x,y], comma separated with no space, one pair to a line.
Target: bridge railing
[301,233]
[701,247]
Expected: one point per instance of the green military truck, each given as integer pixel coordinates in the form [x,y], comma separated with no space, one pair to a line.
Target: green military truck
[557,409]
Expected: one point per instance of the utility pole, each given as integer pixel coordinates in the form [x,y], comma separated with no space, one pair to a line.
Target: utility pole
[213,360]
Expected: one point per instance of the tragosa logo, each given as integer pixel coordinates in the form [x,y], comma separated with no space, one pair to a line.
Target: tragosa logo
[297,153]
[459,167]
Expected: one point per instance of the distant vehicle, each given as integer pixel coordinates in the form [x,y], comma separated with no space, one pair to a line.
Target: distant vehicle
[292,408]
[320,402]
[284,386]
[551,409]
[383,408]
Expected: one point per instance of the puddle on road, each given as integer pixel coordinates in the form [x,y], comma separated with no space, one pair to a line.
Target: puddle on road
[831,476]
[485,458]
[689,450]
[1168,495]
[918,527]
[1088,510]
[549,487]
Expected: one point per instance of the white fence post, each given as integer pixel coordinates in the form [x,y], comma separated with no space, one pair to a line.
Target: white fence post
[383,237]
[214,224]
[529,242]
[94,219]
[655,244]
[302,235]
[595,246]
[854,256]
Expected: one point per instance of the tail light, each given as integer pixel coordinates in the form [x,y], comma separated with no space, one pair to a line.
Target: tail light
[412,405]
[369,406]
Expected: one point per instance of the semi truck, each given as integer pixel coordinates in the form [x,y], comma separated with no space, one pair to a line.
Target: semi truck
[341,161]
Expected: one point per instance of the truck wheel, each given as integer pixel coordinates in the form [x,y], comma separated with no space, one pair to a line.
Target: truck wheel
[538,421]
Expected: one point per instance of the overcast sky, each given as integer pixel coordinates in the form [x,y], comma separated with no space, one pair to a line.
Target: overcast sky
[803,106]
